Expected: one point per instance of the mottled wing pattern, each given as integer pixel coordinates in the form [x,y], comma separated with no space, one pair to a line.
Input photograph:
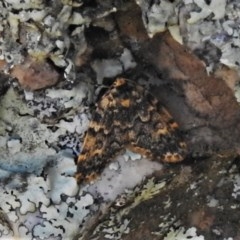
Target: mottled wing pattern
[128,116]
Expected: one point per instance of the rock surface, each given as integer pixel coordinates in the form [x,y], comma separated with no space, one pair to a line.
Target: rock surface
[182,52]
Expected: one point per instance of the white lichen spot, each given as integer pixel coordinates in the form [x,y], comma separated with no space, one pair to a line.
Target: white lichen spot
[61,180]
[193,185]
[24,231]
[167,203]
[9,203]
[216,231]
[230,55]
[33,196]
[175,32]
[217,7]
[117,224]
[70,98]
[181,234]
[14,146]
[28,95]
[47,230]
[131,155]
[149,190]
[80,210]
[212,202]
[236,186]
[129,174]
[74,126]
[5,231]
[34,150]
[59,219]
[237,93]
[158,15]
[77,19]
[107,68]
[114,166]
[127,60]
[188,1]
[115,232]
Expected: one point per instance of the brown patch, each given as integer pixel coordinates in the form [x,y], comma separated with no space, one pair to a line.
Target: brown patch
[125,103]
[162,131]
[173,125]
[130,22]
[3,65]
[139,150]
[119,82]
[105,103]
[208,96]
[230,76]
[203,219]
[96,126]
[34,74]
[172,157]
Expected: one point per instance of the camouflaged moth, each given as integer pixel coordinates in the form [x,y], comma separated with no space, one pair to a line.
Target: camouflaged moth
[128,117]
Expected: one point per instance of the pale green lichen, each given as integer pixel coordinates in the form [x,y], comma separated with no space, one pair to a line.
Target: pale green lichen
[27,129]
[181,234]
[117,224]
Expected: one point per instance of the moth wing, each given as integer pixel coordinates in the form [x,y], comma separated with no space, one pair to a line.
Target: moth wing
[104,139]
[155,133]
[128,116]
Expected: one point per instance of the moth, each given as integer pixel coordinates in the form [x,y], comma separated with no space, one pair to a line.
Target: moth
[128,117]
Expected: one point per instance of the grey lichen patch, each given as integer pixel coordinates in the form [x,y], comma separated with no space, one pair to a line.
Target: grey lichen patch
[129,172]
[107,68]
[210,28]
[39,195]
[116,225]
[63,220]
[184,234]
[60,178]
[22,136]
[24,140]
[43,206]
[189,203]
[43,31]
[157,15]
[32,195]
[213,26]
[216,7]
[53,103]
[5,225]
[9,202]
[236,187]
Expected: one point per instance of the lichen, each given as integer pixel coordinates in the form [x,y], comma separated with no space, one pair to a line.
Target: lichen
[117,223]
[41,199]
[214,23]
[216,7]
[157,16]
[41,29]
[183,234]
[236,187]
[126,176]
[39,195]
[107,68]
